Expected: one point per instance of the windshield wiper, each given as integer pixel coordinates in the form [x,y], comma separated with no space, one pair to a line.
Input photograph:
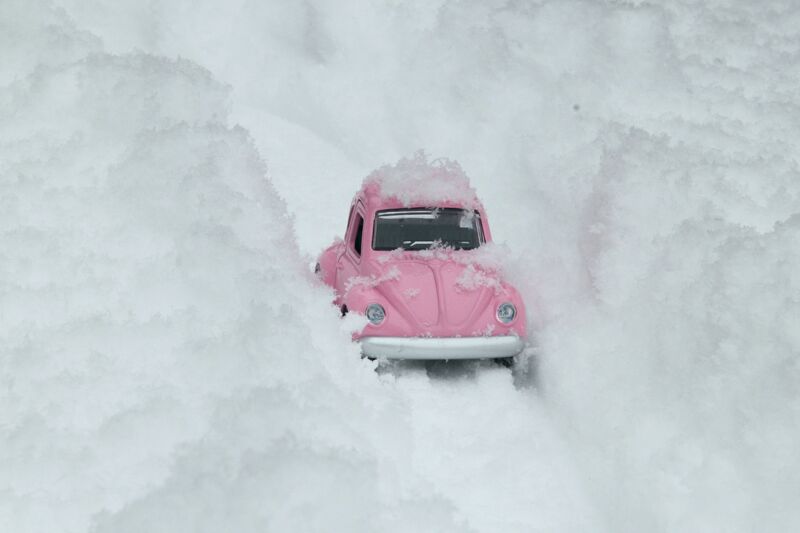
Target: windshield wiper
[413,244]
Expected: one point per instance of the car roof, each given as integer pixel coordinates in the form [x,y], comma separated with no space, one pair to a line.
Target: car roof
[417,183]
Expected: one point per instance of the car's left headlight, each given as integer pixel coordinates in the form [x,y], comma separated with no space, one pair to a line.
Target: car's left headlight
[375,313]
[506,312]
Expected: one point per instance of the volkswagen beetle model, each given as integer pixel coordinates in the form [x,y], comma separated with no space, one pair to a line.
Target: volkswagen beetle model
[413,268]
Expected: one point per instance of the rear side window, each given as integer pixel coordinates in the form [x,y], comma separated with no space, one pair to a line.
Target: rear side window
[359,233]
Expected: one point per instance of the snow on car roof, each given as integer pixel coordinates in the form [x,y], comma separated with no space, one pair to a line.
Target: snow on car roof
[416,181]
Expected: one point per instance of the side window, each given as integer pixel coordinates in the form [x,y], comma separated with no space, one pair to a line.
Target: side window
[359,233]
[349,218]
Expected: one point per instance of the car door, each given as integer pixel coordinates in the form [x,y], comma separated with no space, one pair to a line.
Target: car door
[350,260]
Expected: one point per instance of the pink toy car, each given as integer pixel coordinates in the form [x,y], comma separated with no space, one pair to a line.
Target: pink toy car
[414,260]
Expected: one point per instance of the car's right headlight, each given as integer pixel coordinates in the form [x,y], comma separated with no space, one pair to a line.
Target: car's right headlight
[506,312]
[375,313]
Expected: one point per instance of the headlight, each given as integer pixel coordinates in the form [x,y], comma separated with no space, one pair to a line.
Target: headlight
[375,313]
[506,312]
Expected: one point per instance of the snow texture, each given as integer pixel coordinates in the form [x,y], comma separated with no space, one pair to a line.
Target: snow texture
[167,169]
[390,274]
[417,181]
[411,293]
[472,278]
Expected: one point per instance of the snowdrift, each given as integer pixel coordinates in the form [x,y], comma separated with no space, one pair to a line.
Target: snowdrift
[167,364]
[640,160]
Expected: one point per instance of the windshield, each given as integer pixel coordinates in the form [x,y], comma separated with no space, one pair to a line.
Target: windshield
[419,229]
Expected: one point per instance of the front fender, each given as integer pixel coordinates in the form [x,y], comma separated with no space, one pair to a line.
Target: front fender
[326,263]
[359,297]
[510,294]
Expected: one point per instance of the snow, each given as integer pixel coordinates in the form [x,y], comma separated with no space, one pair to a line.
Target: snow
[390,274]
[472,278]
[417,181]
[167,170]
[411,293]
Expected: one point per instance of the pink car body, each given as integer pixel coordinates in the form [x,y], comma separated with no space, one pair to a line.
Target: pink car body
[437,302]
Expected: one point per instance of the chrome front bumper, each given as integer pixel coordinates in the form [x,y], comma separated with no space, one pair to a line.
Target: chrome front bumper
[441,347]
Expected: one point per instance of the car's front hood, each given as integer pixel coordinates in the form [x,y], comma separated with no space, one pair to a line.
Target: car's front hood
[439,298]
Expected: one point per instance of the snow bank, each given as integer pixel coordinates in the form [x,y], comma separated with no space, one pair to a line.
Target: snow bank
[167,364]
[639,158]
[677,371]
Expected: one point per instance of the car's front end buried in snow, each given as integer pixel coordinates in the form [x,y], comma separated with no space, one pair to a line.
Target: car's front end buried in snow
[442,347]
[422,271]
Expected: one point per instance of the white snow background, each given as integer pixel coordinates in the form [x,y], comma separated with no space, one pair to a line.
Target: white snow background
[168,170]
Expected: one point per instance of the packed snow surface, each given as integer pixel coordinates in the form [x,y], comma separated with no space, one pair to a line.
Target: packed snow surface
[168,170]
